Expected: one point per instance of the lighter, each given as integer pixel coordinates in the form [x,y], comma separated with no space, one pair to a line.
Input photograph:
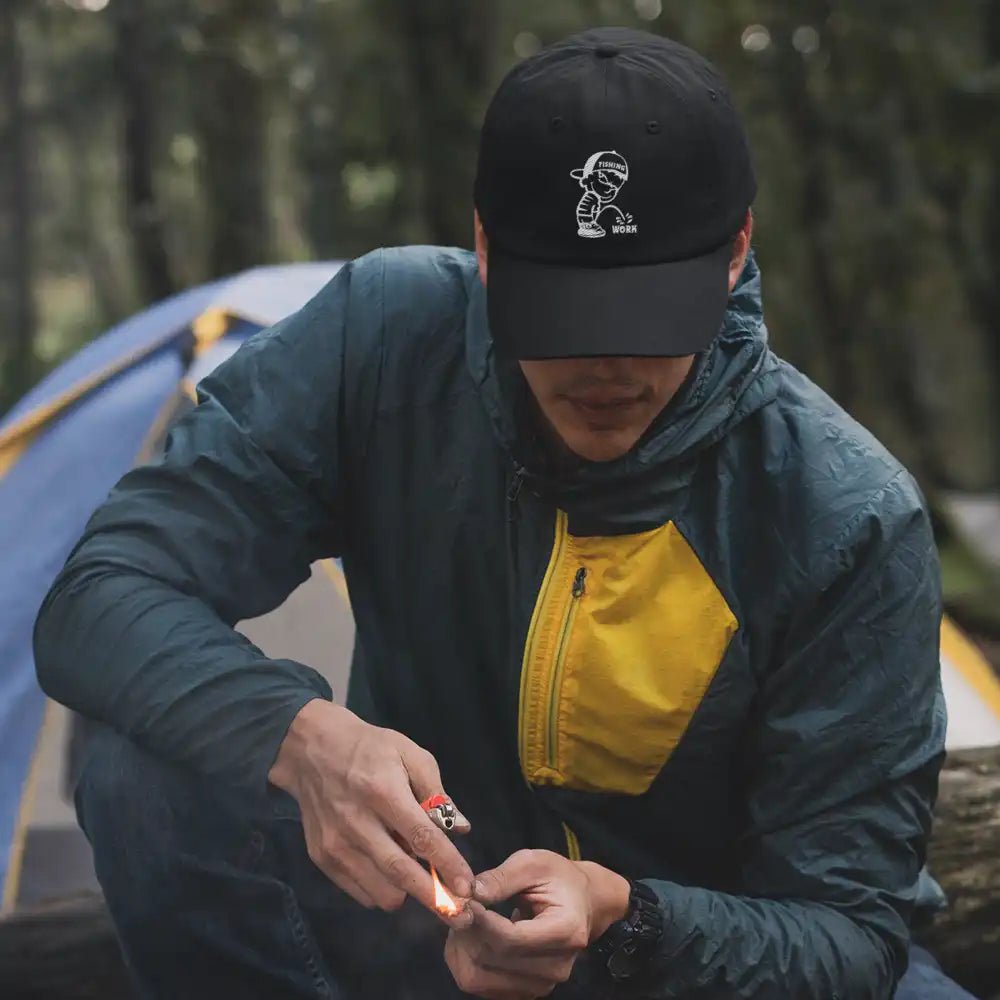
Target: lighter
[442,812]
[447,818]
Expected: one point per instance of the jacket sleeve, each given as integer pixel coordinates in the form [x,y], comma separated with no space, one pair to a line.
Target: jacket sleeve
[137,629]
[846,753]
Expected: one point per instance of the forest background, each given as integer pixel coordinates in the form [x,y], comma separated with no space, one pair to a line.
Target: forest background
[149,145]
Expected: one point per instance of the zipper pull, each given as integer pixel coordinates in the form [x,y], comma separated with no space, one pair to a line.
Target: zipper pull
[514,490]
[580,582]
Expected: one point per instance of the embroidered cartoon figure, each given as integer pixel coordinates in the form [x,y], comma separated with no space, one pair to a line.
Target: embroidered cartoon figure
[601,178]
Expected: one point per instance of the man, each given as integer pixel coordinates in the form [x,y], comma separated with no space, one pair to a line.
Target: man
[655,613]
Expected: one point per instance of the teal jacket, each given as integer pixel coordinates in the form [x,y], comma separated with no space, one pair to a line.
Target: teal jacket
[711,664]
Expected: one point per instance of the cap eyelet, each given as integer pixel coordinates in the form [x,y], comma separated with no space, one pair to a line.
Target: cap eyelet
[652,127]
[557,124]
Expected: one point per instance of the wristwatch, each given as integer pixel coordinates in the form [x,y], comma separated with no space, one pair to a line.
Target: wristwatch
[628,944]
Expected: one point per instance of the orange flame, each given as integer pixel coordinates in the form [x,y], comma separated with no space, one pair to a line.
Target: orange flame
[443,901]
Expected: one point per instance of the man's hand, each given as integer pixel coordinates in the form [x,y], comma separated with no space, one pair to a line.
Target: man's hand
[359,788]
[563,905]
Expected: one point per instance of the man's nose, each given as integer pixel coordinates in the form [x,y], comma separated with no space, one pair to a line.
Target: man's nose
[609,367]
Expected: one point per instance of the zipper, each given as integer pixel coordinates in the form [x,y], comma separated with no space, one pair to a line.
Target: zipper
[514,491]
[578,590]
[524,722]
[572,844]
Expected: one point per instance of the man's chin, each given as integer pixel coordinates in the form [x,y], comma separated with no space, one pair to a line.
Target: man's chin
[602,446]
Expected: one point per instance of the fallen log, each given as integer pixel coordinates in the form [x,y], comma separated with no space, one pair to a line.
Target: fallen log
[63,950]
[965,859]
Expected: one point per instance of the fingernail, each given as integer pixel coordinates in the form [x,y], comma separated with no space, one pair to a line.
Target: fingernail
[463,887]
[479,888]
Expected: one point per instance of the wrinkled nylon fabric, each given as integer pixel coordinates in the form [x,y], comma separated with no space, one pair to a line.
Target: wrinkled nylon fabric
[785,832]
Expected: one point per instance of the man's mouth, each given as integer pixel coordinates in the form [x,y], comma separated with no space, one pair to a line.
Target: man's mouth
[601,403]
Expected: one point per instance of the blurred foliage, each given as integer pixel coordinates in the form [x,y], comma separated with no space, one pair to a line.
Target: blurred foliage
[146,145]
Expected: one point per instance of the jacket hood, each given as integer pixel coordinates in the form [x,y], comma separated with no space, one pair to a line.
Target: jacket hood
[736,376]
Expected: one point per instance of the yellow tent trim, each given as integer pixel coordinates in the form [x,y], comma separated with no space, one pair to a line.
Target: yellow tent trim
[207,329]
[41,415]
[962,653]
[336,574]
[25,809]
[11,452]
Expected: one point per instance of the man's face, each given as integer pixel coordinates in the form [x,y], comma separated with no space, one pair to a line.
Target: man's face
[600,407]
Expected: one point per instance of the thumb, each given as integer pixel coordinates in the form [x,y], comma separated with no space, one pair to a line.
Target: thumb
[519,872]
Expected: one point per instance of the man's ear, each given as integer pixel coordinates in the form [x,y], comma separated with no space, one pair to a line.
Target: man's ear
[482,245]
[741,247]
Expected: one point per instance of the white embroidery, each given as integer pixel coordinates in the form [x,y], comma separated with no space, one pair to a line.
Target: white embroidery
[601,178]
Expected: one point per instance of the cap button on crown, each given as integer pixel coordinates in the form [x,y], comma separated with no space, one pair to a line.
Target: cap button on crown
[605,50]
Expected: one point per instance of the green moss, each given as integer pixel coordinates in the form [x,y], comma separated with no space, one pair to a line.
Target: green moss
[971,588]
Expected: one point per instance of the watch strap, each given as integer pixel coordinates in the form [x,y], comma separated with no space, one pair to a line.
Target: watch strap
[628,944]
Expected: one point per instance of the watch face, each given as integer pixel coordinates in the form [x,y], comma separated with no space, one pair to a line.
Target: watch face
[621,964]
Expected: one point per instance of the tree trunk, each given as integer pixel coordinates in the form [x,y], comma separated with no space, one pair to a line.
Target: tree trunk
[810,132]
[135,71]
[896,351]
[972,241]
[319,152]
[65,950]
[988,298]
[448,49]
[21,320]
[112,295]
[231,118]
[965,859]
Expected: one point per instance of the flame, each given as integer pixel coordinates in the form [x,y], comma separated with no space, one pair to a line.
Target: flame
[443,901]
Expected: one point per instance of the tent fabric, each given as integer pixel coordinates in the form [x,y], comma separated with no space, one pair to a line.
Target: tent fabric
[63,447]
[46,498]
[66,443]
[971,691]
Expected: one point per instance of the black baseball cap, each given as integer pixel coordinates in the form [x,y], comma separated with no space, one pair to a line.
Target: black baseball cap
[613,174]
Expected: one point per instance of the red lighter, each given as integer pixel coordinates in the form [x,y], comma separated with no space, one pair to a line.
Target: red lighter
[442,812]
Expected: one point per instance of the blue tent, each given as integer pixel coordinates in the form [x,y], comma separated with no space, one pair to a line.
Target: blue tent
[73,436]
[67,442]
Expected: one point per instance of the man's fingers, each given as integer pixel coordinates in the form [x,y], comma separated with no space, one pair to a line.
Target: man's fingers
[354,872]
[425,779]
[399,868]
[352,889]
[363,870]
[339,877]
[552,933]
[553,968]
[404,816]
[520,871]
[423,771]
[471,977]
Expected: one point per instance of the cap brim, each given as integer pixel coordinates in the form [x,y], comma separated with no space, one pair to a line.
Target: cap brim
[539,310]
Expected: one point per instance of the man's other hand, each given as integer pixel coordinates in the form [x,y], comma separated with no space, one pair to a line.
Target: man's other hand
[563,905]
[359,788]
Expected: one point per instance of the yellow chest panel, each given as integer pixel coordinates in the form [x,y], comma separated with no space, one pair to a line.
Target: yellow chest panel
[626,636]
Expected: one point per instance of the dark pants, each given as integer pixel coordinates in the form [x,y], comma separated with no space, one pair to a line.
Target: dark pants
[214,896]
